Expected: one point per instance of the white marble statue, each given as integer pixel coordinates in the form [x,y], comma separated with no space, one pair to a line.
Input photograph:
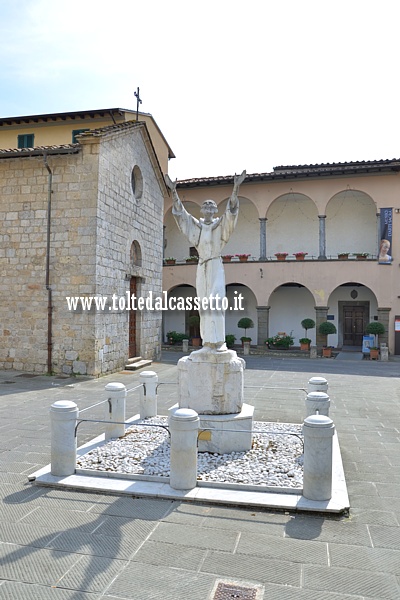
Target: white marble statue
[209,235]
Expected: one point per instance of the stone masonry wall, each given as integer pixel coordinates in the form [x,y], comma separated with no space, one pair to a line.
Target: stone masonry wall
[125,217]
[23,294]
[95,217]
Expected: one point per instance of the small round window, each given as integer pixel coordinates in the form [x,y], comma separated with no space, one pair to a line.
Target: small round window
[137,183]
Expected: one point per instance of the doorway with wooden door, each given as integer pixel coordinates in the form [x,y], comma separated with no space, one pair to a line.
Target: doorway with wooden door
[353,318]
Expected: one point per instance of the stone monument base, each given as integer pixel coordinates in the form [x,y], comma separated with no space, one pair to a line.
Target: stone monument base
[222,434]
[211,382]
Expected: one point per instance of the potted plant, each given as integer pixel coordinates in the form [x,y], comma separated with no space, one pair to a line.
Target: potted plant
[327,328]
[373,353]
[192,259]
[174,337]
[375,328]
[281,255]
[243,257]
[343,255]
[230,340]
[300,255]
[361,255]
[245,323]
[169,261]
[305,341]
[227,257]
[280,341]
[194,324]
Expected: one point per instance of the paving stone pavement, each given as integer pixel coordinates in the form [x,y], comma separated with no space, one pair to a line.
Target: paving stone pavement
[67,545]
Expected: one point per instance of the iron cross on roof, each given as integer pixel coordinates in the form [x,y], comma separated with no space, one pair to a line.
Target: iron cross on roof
[138,101]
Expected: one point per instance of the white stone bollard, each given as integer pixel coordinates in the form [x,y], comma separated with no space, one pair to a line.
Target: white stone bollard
[184,428]
[63,415]
[115,410]
[318,384]
[185,345]
[318,432]
[313,352]
[246,348]
[148,394]
[317,401]
[384,351]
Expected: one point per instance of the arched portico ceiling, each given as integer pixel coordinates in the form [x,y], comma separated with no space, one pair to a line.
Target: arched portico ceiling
[289,304]
[246,237]
[291,285]
[292,225]
[346,291]
[352,195]
[289,203]
[187,287]
[351,223]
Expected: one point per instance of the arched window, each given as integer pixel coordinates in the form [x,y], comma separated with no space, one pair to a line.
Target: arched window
[137,183]
[136,255]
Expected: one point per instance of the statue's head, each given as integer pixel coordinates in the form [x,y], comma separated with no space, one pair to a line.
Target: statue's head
[208,209]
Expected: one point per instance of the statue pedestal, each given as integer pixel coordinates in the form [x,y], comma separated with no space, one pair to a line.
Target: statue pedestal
[211,383]
[223,434]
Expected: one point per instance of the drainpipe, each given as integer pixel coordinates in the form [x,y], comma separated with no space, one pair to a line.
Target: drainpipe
[48,288]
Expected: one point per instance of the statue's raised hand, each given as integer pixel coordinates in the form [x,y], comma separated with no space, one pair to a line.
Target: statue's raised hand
[171,184]
[238,179]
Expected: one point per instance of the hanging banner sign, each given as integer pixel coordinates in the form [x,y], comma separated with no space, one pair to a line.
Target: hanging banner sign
[385,241]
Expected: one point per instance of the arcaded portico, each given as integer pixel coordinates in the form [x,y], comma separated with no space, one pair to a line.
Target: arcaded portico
[323,211]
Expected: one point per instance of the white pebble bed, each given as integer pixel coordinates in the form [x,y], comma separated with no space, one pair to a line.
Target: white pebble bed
[274,460]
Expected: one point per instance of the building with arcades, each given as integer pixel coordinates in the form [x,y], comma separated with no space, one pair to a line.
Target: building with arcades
[324,211]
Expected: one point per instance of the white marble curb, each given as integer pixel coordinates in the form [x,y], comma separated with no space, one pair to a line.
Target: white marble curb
[237,495]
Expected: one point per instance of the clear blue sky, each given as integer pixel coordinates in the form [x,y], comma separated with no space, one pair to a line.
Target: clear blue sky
[233,85]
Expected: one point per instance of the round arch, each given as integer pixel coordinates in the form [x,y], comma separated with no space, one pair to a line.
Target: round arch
[351,223]
[352,305]
[292,224]
[135,256]
[290,303]
[246,237]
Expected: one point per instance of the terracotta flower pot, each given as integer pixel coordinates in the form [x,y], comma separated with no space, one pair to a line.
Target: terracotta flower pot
[327,352]
[373,354]
[300,257]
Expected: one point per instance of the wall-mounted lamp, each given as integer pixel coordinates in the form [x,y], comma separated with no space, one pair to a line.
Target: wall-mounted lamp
[261,273]
[397,210]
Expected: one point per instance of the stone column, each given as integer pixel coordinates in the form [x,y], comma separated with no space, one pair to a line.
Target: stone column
[318,433]
[184,428]
[321,313]
[148,394]
[383,317]
[317,403]
[318,384]
[322,238]
[263,238]
[262,324]
[63,415]
[115,410]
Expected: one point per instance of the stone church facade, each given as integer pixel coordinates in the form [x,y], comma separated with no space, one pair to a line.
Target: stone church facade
[102,236]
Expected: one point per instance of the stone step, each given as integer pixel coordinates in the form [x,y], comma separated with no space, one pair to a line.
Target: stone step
[134,359]
[137,364]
